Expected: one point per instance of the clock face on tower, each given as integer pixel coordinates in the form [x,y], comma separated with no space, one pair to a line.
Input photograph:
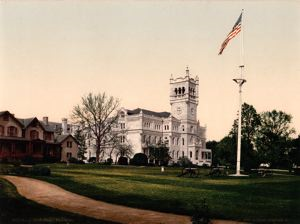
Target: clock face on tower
[179,110]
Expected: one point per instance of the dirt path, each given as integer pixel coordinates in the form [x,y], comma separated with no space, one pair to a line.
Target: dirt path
[56,197]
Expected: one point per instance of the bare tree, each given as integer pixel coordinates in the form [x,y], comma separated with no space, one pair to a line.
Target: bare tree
[124,150]
[97,114]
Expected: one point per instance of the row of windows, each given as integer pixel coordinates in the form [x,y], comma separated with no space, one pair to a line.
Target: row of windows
[11,131]
[181,91]
[157,126]
[204,155]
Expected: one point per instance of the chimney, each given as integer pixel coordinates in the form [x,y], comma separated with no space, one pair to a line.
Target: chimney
[45,120]
[64,126]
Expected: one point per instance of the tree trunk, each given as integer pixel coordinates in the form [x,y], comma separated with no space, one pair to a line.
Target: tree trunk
[98,150]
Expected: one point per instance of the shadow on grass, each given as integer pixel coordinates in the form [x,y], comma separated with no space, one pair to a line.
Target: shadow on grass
[16,209]
[246,201]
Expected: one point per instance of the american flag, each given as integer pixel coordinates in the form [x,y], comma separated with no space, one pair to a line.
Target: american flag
[235,30]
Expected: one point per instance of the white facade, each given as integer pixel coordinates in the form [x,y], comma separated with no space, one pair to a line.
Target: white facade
[180,129]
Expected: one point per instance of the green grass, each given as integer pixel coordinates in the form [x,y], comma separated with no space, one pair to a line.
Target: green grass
[16,209]
[274,199]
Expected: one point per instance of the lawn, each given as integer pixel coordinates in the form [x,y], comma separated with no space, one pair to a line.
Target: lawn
[16,209]
[274,199]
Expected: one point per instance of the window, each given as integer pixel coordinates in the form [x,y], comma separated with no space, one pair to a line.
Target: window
[69,144]
[12,131]
[122,125]
[182,127]
[47,136]
[183,90]
[197,154]
[182,141]
[192,129]
[191,154]
[177,154]
[182,153]
[34,134]
[1,130]
[122,139]
[69,155]
[122,114]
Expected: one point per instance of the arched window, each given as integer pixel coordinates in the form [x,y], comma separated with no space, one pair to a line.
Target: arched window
[176,91]
[122,114]
[179,90]
[191,154]
[183,90]
[1,130]
[182,141]
[34,134]
[12,131]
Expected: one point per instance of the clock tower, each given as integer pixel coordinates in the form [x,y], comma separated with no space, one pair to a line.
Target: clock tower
[184,97]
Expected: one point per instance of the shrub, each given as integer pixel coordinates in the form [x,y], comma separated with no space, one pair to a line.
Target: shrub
[28,160]
[123,161]
[109,161]
[50,160]
[92,160]
[41,171]
[184,162]
[139,159]
[73,160]
[4,160]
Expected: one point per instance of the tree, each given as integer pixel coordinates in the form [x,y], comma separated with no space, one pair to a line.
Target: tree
[294,154]
[79,136]
[273,137]
[225,152]
[97,114]
[123,150]
[159,153]
[213,146]
[251,122]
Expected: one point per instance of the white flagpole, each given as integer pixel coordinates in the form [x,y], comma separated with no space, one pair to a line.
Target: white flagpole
[240,81]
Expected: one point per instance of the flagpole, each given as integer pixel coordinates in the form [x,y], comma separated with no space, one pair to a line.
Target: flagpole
[240,81]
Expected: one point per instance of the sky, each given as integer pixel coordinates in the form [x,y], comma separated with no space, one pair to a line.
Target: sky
[54,52]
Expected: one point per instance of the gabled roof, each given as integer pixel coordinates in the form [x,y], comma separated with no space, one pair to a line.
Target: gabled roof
[28,121]
[12,116]
[61,138]
[149,112]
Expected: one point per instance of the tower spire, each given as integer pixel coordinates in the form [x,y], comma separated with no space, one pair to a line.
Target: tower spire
[187,71]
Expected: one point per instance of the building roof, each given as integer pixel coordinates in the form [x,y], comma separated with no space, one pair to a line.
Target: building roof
[61,138]
[12,116]
[149,112]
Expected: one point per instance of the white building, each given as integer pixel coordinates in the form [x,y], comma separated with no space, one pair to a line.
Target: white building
[180,129]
